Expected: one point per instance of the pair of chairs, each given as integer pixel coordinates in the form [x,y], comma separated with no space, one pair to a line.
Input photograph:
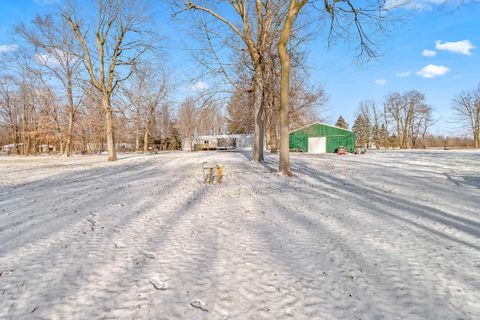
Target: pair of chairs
[212,173]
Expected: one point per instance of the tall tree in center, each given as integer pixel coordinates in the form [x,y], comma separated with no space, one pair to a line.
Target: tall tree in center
[111,50]
[256,24]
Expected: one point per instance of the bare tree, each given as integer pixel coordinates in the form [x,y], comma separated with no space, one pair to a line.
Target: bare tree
[24,86]
[168,132]
[132,99]
[10,112]
[54,44]
[210,119]
[143,95]
[305,102]
[344,16]
[187,121]
[30,108]
[467,108]
[411,116]
[294,8]
[117,44]
[92,119]
[258,26]
[240,115]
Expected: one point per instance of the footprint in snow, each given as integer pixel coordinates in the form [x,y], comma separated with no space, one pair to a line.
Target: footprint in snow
[119,245]
[93,223]
[148,254]
[159,285]
[199,305]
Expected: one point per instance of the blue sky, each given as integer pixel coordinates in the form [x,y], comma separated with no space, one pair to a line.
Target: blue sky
[398,67]
[450,34]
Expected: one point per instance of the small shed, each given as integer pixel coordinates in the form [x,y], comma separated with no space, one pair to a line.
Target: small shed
[321,138]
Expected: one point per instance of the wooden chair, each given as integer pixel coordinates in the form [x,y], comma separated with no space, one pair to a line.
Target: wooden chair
[212,173]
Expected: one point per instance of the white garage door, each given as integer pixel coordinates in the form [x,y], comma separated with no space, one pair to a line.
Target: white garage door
[317,145]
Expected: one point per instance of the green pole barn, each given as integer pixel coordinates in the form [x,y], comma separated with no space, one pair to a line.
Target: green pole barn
[321,138]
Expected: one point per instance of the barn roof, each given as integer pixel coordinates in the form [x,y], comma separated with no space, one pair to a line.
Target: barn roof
[322,124]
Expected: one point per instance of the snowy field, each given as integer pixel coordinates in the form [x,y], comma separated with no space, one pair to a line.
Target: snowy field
[387,235]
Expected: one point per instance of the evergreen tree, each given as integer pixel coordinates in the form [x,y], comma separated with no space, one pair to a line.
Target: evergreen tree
[361,127]
[174,139]
[383,137]
[341,123]
[393,141]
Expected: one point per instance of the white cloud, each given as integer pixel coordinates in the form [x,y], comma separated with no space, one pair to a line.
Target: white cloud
[429,53]
[46,60]
[199,86]
[404,74]
[380,82]
[423,4]
[413,4]
[42,58]
[463,47]
[53,60]
[8,48]
[432,71]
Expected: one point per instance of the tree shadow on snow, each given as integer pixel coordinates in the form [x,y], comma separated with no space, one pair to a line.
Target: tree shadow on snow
[401,208]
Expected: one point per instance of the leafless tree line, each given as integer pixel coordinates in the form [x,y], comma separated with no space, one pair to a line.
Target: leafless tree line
[403,121]
[197,119]
[90,86]
[466,106]
[81,82]
[410,116]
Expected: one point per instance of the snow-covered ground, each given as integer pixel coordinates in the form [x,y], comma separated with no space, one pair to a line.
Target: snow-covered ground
[387,235]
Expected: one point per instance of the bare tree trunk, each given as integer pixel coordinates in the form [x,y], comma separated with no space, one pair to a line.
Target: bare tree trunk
[112,154]
[145,141]
[23,135]
[273,135]
[259,110]
[137,129]
[71,115]
[137,139]
[111,47]
[16,140]
[270,105]
[293,10]
[69,142]
[477,127]
[284,165]
[265,16]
